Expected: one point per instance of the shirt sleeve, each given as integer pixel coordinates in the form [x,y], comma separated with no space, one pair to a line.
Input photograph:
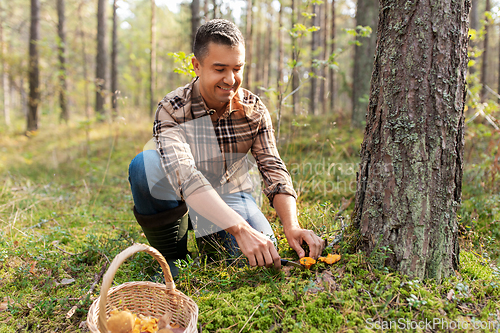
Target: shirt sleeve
[272,168]
[176,156]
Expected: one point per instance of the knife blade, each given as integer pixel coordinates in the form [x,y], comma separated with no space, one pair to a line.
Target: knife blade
[285,262]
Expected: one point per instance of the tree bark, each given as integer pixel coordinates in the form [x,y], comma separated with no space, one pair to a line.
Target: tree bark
[366,15]
[314,93]
[216,9]
[295,59]
[152,61]
[63,89]
[101,63]
[410,176]
[279,83]
[484,64]
[114,55]
[268,46]
[195,19]
[248,46]
[332,79]
[33,72]
[205,10]
[84,61]
[5,68]
[324,56]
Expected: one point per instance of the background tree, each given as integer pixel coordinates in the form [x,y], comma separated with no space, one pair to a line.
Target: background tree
[332,82]
[410,177]
[247,79]
[62,61]
[484,63]
[315,41]
[34,73]
[114,55]
[366,15]
[101,59]
[5,68]
[152,61]
[195,18]
[295,57]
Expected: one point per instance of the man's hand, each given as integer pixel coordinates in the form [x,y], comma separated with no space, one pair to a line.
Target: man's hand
[259,249]
[296,236]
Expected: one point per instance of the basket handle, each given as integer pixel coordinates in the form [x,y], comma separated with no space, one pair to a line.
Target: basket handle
[110,274]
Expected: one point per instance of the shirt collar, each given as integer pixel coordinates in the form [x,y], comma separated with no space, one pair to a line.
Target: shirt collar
[235,104]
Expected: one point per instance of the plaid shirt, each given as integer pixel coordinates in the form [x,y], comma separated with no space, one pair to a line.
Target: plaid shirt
[198,150]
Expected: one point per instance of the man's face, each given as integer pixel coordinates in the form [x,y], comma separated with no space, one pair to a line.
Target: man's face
[221,73]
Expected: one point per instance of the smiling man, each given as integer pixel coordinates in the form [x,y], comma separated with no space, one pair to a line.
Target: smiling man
[203,133]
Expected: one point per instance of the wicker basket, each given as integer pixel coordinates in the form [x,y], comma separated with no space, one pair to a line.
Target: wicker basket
[146,298]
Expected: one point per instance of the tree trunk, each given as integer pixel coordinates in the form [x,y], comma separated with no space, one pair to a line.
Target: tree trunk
[216,11]
[84,61]
[332,82]
[152,62]
[5,69]
[258,40]
[249,46]
[279,83]
[295,59]
[33,72]
[324,56]
[195,19]
[409,182]
[63,89]
[114,55]
[101,63]
[314,93]
[205,10]
[484,64]
[366,15]
[268,46]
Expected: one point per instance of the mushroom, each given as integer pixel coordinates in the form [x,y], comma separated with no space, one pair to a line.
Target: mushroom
[307,262]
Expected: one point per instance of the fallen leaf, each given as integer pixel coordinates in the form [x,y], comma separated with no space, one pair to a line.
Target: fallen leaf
[32,268]
[65,282]
[450,295]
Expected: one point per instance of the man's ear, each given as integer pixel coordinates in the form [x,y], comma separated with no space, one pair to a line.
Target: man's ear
[196,65]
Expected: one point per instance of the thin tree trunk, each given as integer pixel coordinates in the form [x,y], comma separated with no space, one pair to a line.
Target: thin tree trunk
[295,57]
[195,19]
[114,70]
[84,61]
[409,182]
[268,46]
[324,56]
[5,68]
[281,55]
[152,63]
[205,10]
[484,65]
[101,63]
[34,74]
[366,15]
[249,46]
[258,39]
[332,84]
[63,88]
[216,9]
[314,93]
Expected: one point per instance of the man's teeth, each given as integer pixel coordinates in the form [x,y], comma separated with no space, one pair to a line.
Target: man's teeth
[226,89]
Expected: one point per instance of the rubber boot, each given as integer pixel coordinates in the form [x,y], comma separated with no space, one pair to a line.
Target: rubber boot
[168,233]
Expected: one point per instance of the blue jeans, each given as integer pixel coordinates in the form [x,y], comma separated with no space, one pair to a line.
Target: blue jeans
[153,194]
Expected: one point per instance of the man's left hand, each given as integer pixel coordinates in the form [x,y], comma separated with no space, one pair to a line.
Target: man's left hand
[296,236]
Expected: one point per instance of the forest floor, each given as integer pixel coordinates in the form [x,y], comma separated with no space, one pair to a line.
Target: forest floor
[66,211]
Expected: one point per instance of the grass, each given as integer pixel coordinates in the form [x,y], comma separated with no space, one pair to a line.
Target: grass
[65,212]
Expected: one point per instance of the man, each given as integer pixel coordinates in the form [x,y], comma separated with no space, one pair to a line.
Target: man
[203,132]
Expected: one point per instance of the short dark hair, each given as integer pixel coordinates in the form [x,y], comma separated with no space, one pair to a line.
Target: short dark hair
[218,31]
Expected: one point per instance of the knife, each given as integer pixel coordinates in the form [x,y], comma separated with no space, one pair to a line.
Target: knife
[285,262]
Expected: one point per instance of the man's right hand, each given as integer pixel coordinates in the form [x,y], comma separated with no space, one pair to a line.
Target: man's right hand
[259,249]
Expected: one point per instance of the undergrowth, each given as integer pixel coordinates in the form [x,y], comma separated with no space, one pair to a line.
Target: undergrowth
[66,211]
